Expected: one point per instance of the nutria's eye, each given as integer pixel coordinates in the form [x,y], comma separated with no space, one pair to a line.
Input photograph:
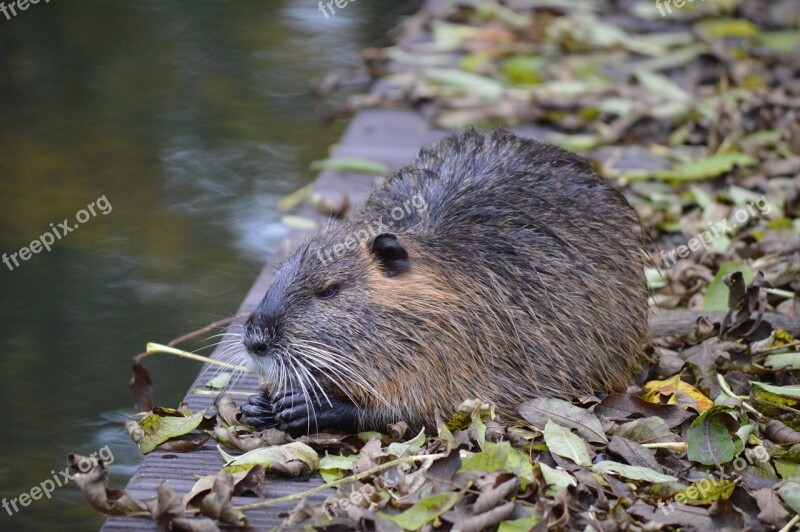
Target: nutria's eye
[327,292]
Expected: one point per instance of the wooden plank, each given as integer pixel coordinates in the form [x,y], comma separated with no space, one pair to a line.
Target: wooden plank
[390,137]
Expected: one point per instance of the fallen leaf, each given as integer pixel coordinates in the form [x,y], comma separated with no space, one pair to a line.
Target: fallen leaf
[292,459]
[633,453]
[631,472]
[351,164]
[91,476]
[710,437]
[538,411]
[620,406]
[564,443]
[647,430]
[790,493]
[163,424]
[422,512]
[772,511]
[669,387]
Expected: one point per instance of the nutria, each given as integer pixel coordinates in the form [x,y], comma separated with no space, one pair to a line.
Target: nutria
[492,267]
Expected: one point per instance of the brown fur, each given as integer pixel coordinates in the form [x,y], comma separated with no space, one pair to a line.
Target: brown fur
[524,278]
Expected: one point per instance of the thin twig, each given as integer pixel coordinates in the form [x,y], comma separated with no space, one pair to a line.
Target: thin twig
[778,347]
[780,293]
[677,446]
[198,391]
[790,524]
[345,480]
[188,336]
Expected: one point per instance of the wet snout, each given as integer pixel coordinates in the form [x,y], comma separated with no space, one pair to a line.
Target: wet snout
[260,335]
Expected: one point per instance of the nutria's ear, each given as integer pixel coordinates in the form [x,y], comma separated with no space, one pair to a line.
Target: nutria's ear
[390,254]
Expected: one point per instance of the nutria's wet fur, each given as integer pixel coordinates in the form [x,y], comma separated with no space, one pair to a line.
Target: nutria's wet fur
[521,277]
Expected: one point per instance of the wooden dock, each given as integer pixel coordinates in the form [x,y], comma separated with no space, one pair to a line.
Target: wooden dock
[390,137]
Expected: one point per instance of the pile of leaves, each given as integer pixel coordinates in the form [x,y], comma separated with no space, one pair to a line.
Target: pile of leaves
[706,442]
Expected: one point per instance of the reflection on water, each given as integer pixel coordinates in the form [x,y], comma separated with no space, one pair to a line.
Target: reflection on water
[193,118]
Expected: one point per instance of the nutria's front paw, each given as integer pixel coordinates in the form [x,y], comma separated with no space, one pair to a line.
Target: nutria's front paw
[258,412]
[294,412]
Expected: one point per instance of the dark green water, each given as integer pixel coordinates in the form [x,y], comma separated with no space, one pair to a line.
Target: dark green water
[192,118]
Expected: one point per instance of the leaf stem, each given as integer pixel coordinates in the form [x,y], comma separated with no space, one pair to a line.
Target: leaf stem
[781,293]
[677,446]
[158,348]
[790,524]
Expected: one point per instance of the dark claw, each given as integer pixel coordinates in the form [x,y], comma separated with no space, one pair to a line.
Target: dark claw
[258,412]
[291,413]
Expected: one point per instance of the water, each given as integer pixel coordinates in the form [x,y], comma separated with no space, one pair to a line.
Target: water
[186,121]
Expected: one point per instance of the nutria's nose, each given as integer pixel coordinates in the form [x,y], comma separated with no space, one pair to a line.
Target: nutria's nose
[256,347]
[257,340]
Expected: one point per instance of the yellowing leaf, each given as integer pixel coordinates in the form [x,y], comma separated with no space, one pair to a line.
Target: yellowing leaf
[668,387]
[159,428]
[292,459]
[706,491]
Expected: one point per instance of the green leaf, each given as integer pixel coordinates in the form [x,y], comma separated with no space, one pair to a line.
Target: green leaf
[471,83]
[291,459]
[220,381]
[722,28]
[492,458]
[707,168]
[773,401]
[423,512]
[519,464]
[717,292]
[789,361]
[631,472]
[710,440]
[334,467]
[785,391]
[500,457]
[157,428]
[558,479]
[406,448]
[783,41]
[790,493]
[661,85]
[519,525]
[523,70]
[787,469]
[351,164]
[742,435]
[563,442]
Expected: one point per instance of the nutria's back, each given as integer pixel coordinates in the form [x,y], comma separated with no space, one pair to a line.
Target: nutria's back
[493,267]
